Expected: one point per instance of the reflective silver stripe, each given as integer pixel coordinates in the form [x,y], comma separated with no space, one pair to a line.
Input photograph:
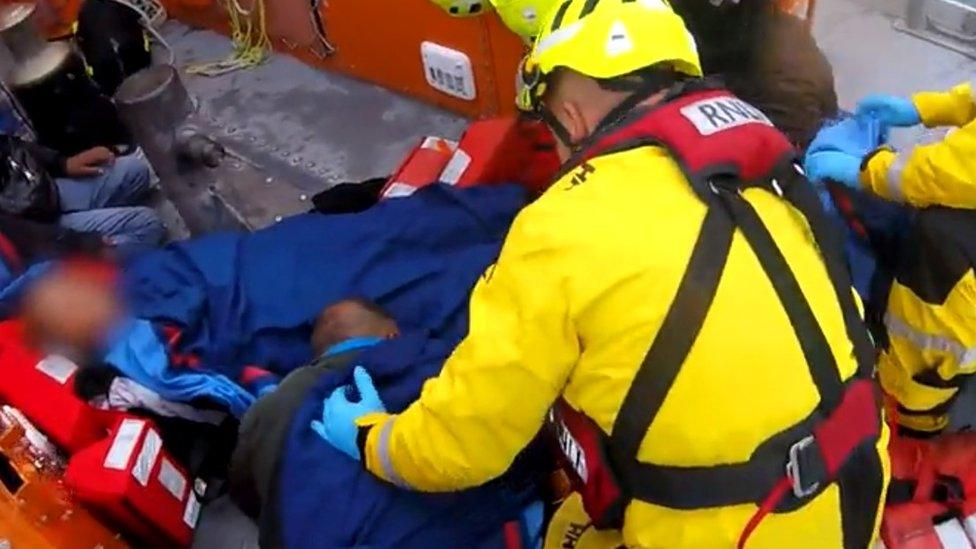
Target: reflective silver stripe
[556,38]
[895,172]
[383,450]
[929,342]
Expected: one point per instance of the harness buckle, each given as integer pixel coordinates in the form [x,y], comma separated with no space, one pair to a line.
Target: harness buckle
[801,460]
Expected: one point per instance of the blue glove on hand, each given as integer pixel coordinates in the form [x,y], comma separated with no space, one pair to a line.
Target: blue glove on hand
[338,426]
[890,110]
[834,166]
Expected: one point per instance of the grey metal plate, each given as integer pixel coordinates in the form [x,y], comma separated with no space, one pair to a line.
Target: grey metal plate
[307,128]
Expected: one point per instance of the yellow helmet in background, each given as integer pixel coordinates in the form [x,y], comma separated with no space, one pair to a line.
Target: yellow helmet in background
[524,17]
[463,8]
[606,39]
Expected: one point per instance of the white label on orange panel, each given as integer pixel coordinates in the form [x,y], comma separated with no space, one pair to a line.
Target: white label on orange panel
[58,368]
[147,457]
[124,444]
[172,479]
[952,535]
[398,190]
[192,511]
[456,167]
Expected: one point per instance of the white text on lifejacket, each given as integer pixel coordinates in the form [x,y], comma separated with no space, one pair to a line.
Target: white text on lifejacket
[722,113]
[572,450]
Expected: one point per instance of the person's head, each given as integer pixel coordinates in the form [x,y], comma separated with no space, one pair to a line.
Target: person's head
[348,319]
[522,17]
[594,58]
[71,312]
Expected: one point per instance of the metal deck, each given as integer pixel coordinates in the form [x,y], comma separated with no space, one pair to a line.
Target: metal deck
[303,126]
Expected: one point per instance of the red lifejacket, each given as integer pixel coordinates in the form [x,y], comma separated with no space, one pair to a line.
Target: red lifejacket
[724,145]
[42,388]
[131,479]
[497,150]
[932,496]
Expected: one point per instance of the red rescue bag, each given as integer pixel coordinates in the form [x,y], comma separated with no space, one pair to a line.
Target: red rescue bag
[932,499]
[42,388]
[131,480]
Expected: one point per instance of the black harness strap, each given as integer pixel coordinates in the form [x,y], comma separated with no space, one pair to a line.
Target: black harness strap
[678,332]
[813,342]
[799,193]
[750,481]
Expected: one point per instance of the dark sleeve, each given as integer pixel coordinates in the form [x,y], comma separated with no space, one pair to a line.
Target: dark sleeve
[34,240]
[349,197]
[52,160]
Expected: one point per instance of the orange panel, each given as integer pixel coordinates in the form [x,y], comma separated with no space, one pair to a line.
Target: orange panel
[379,41]
[55,17]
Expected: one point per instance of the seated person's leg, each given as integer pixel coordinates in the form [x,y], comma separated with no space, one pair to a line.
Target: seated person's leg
[127,229]
[931,320]
[126,182]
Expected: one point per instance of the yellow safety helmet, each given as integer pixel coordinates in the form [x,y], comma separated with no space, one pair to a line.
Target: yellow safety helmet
[463,8]
[521,16]
[606,39]
[524,17]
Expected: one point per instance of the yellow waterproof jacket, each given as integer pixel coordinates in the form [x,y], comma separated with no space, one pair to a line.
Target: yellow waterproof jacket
[942,173]
[931,314]
[579,291]
[931,320]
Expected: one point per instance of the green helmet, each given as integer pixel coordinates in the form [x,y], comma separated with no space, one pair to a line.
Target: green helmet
[521,16]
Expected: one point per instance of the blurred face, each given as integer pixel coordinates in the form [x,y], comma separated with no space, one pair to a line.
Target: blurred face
[71,315]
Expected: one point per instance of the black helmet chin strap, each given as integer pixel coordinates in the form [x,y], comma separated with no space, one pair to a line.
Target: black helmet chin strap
[615,115]
[641,90]
[557,127]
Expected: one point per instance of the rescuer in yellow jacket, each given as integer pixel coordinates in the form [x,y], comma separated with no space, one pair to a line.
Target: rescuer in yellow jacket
[931,312]
[582,287]
[931,321]
[938,174]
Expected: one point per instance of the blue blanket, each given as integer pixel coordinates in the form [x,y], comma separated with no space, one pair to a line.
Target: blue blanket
[325,499]
[251,298]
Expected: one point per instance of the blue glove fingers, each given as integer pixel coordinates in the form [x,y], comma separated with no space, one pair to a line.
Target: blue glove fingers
[834,166]
[368,395]
[890,110]
[873,104]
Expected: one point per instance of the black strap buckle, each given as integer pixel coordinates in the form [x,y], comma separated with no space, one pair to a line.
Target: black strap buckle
[805,468]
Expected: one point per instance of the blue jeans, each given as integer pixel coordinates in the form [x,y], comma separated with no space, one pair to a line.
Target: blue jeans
[107,204]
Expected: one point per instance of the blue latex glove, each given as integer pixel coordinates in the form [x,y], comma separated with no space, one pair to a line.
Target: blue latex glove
[853,135]
[834,166]
[339,414]
[890,110]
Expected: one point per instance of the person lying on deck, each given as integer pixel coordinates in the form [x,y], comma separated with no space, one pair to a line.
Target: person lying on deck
[342,330]
[295,487]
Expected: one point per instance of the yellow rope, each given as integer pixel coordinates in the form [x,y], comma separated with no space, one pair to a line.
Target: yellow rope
[249,33]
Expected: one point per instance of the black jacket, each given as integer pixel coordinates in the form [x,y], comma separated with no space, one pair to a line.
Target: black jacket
[767,58]
[27,173]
